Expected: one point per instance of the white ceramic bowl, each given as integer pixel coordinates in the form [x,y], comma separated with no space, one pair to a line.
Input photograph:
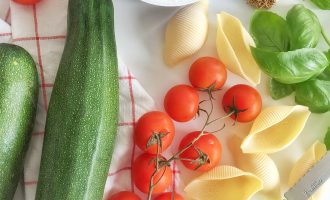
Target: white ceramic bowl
[170,2]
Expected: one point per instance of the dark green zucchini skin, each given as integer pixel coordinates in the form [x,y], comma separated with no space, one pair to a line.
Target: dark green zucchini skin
[18,104]
[81,123]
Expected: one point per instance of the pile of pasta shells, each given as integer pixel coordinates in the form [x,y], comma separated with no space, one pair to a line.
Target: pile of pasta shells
[272,131]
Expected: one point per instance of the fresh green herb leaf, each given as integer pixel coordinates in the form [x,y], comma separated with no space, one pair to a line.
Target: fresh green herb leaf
[315,94]
[305,28]
[269,31]
[325,37]
[327,139]
[323,4]
[327,54]
[326,73]
[279,90]
[292,66]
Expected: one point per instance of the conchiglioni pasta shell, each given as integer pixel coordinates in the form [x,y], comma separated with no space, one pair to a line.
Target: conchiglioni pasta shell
[260,165]
[275,128]
[186,32]
[303,165]
[224,182]
[233,45]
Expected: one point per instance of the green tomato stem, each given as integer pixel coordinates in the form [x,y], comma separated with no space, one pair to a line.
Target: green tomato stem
[327,40]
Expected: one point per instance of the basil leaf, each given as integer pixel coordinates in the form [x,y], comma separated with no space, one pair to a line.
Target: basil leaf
[327,139]
[292,66]
[326,73]
[315,94]
[279,90]
[323,4]
[304,26]
[269,31]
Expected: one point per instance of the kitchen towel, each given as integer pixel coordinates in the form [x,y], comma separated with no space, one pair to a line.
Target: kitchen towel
[41,30]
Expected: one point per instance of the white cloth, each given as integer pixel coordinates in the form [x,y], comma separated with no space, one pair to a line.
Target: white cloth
[41,30]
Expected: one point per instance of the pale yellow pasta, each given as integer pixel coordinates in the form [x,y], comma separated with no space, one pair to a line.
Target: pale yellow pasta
[259,164]
[224,182]
[275,128]
[308,160]
[233,45]
[186,32]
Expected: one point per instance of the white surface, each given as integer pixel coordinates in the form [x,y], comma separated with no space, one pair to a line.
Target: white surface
[170,2]
[140,33]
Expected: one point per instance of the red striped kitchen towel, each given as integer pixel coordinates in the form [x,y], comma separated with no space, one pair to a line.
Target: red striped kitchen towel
[41,30]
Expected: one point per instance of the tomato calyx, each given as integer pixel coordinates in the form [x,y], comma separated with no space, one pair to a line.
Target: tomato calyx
[233,110]
[160,162]
[210,89]
[156,138]
[201,160]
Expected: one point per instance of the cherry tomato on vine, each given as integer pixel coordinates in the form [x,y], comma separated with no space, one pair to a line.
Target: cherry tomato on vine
[27,2]
[168,196]
[181,103]
[124,195]
[206,71]
[152,129]
[143,168]
[205,154]
[244,101]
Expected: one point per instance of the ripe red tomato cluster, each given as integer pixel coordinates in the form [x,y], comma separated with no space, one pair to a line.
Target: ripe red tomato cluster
[155,130]
[206,73]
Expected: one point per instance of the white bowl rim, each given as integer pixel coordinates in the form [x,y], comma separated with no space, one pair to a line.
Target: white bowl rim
[170,2]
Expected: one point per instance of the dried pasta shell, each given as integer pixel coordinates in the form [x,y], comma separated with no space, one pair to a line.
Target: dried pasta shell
[233,45]
[302,166]
[260,165]
[186,32]
[275,128]
[224,182]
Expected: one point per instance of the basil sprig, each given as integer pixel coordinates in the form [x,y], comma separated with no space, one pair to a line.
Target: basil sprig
[285,51]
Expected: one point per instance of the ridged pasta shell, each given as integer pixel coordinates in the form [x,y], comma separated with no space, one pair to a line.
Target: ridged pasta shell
[224,182]
[275,128]
[308,160]
[186,32]
[233,45]
[260,165]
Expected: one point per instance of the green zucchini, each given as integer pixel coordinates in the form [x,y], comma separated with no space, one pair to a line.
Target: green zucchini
[82,118]
[18,103]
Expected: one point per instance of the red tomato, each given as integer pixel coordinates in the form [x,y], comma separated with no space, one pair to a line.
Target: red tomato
[208,144]
[124,195]
[181,103]
[27,2]
[244,101]
[168,196]
[143,168]
[206,71]
[150,124]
